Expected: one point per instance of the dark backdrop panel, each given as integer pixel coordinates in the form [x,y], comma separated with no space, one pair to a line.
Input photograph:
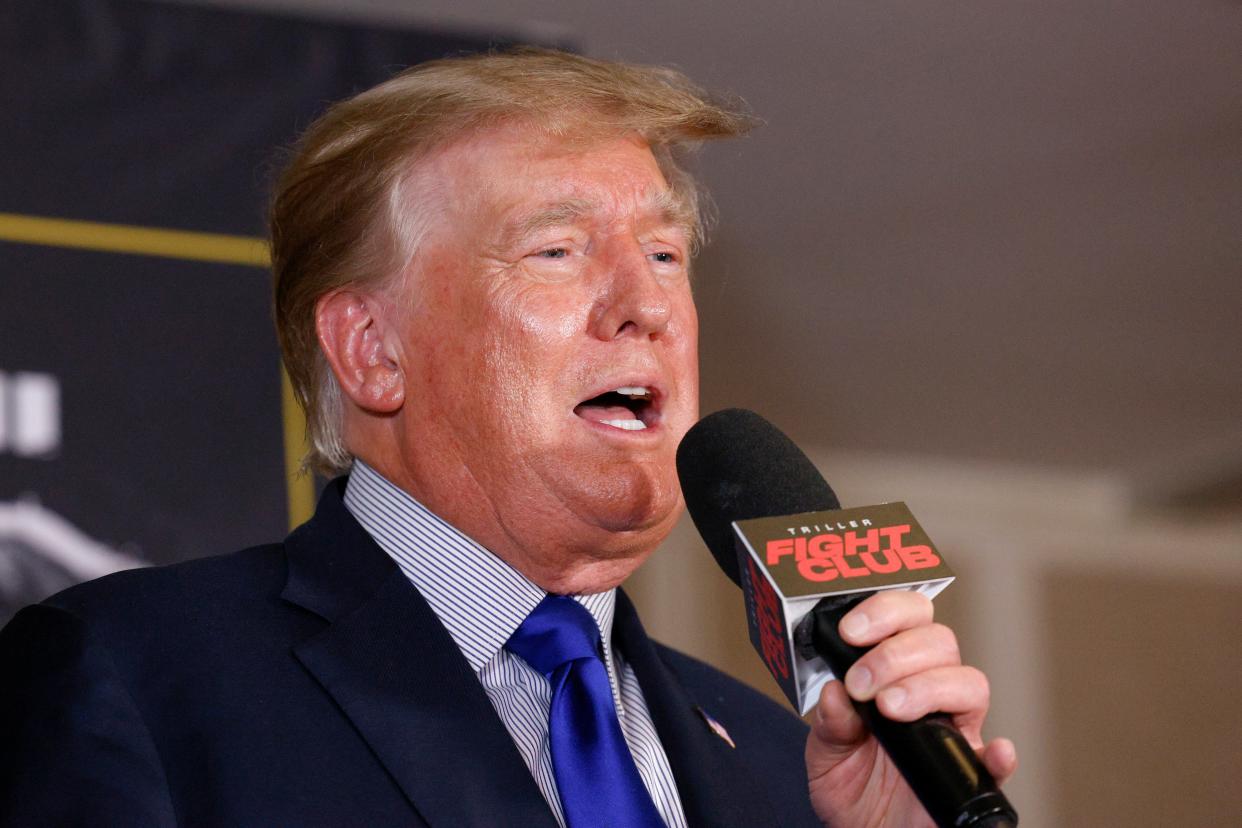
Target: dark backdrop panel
[162,116]
[170,398]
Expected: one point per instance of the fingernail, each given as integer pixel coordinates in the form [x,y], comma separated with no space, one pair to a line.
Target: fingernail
[894,698]
[855,624]
[858,681]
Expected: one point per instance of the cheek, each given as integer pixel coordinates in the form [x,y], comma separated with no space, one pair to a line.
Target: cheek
[544,316]
[687,353]
[536,329]
[449,352]
[527,352]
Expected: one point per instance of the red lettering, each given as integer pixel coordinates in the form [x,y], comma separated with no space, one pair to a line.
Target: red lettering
[777,549]
[877,551]
[892,562]
[824,546]
[893,535]
[771,626]
[918,557]
[868,542]
[851,571]
[817,569]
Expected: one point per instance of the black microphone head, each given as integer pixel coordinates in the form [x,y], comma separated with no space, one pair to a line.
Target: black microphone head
[735,465]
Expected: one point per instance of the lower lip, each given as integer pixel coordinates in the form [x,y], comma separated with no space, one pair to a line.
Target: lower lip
[652,429]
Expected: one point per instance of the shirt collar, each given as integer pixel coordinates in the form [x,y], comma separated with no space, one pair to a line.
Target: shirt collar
[478,597]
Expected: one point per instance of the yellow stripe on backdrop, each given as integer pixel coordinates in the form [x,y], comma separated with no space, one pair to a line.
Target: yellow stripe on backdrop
[301,483]
[127,238]
[249,251]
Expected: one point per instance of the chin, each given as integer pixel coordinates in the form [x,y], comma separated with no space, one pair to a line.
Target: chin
[631,503]
[603,568]
[599,534]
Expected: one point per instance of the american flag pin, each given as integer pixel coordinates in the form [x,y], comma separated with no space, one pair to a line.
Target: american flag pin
[716,727]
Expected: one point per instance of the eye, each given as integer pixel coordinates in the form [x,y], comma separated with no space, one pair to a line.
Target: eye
[664,257]
[553,253]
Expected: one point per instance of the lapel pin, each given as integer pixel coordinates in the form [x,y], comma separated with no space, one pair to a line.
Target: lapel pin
[716,727]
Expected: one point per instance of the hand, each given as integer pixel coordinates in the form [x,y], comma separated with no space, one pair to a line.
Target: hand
[913,669]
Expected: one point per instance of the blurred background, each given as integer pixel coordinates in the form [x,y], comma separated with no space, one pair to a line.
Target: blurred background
[985,258]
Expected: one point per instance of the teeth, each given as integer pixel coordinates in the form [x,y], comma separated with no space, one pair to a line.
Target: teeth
[633,391]
[626,425]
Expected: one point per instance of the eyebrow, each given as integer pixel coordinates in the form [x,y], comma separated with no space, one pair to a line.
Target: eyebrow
[555,215]
[669,207]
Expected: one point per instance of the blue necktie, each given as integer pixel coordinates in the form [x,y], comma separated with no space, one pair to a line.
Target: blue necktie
[595,773]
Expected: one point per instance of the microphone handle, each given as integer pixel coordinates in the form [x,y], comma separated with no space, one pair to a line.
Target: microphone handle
[935,759]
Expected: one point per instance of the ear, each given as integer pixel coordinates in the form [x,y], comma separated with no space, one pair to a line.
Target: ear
[352,333]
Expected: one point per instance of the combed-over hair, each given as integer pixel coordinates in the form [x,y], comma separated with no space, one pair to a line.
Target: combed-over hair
[341,214]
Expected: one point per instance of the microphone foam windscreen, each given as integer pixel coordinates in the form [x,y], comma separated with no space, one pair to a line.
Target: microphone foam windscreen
[735,465]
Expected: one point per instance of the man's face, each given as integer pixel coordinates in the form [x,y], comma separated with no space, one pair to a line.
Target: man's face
[548,347]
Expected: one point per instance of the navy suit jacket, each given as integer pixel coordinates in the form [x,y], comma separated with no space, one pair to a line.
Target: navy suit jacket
[308,683]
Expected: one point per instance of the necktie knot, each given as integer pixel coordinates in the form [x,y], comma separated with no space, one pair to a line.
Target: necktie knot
[557,632]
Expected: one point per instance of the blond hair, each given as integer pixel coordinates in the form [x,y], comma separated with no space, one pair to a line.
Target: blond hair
[340,213]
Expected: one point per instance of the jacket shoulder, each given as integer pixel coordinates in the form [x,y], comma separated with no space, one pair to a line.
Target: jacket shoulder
[236,577]
[165,611]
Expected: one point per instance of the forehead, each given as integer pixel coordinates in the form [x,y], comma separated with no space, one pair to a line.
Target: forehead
[508,171]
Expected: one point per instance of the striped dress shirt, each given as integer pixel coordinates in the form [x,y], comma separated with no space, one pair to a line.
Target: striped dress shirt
[481,600]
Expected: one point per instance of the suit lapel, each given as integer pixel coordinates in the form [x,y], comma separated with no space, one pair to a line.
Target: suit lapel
[715,786]
[398,676]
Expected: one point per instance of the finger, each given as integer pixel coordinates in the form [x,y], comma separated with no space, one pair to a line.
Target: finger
[883,614]
[1000,757]
[960,691]
[904,654]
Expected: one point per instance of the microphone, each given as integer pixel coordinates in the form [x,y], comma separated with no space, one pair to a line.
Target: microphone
[776,528]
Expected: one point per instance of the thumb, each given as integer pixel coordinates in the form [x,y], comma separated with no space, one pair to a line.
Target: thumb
[837,731]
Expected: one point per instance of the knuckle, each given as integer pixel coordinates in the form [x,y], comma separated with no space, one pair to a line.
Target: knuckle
[918,601]
[897,609]
[980,685]
[881,665]
[946,639]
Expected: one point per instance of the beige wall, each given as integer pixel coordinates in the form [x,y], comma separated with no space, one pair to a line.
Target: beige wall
[1111,638]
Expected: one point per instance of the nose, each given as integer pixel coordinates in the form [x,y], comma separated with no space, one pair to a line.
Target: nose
[633,301]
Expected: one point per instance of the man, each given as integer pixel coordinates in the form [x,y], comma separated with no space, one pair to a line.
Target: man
[483,299]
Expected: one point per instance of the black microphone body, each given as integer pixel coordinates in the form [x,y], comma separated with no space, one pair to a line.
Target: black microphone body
[734,465]
[933,756]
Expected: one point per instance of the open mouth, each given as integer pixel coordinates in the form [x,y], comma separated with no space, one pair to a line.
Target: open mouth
[629,408]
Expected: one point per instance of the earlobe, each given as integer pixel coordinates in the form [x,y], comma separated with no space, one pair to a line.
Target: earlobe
[351,331]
